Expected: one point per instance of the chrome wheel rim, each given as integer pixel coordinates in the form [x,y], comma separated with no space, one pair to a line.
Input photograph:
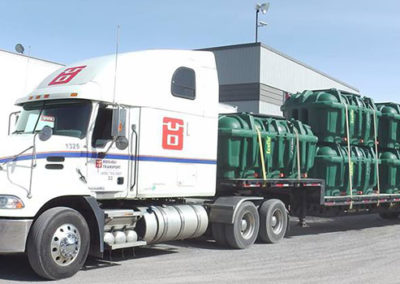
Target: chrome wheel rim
[65,244]
[277,221]
[247,225]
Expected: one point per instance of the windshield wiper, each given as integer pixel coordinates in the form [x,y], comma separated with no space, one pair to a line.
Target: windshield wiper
[18,132]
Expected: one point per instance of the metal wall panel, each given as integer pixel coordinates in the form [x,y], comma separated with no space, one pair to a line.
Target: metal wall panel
[285,73]
[239,92]
[246,106]
[238,65]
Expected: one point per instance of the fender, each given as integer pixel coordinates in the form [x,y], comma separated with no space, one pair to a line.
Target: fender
[97,246]
[224,209]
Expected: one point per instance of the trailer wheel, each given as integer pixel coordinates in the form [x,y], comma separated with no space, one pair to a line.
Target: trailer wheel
[218,232]
[244,230]
[274,221]
[389,215]
[58,243]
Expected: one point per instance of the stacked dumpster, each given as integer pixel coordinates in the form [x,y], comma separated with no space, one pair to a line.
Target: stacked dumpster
[263,147]
[346,125]
[389,147]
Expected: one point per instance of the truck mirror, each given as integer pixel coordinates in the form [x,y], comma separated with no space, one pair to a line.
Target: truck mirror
[45,133]
[118,122]
[121,143]
[10,119]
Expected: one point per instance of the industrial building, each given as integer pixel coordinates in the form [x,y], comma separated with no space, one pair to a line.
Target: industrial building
[255,77]
[19,75]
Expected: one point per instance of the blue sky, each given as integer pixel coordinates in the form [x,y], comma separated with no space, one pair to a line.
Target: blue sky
[356,41]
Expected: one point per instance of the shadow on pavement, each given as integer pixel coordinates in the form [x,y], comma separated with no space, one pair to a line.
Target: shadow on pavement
[338,224]
[17,268]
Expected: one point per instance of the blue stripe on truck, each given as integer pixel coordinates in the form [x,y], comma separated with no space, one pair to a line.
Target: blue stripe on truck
[112,157]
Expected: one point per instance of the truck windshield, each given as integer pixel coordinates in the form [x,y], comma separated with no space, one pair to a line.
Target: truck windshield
[65,117]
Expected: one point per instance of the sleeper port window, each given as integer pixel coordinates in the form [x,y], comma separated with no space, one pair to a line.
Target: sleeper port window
[183,83]
[102,128]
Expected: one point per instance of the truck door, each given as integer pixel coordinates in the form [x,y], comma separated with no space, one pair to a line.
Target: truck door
[109,169]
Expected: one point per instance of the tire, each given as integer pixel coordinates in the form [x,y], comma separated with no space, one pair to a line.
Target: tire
[218,232]
[389,215]
[273,221]
[49,255]
[243,232]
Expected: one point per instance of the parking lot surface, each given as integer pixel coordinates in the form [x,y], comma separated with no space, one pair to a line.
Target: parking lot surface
[357,249]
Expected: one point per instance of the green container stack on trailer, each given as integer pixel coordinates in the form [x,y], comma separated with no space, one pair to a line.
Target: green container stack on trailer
[256,146]
[345,126]
[389,147]
[325,111]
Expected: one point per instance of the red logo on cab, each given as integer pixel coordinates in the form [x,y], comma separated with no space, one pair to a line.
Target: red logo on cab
[172,133]
[67,75]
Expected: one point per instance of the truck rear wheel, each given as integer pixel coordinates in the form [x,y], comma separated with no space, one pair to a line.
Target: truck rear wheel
[244,230]
[274,221]
[58,243]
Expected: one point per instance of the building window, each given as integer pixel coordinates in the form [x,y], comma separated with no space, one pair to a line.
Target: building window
[183,83]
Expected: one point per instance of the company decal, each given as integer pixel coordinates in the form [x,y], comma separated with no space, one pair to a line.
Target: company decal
[99,164]
[47,118]
[67,75]
[268,145]
[352,117]
[172,138]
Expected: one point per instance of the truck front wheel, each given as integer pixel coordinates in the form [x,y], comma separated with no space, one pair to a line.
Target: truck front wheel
[58,243]
[273,221]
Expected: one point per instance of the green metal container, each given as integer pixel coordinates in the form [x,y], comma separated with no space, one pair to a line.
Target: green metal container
[332,165]
[325,112]
[389,171]
[389,125]
[239,154]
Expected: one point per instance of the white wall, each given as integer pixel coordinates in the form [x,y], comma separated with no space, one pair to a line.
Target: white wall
[19,75]
[270,109]
[288,75]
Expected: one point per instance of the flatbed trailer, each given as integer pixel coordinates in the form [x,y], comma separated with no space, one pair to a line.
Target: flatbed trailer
[306,197]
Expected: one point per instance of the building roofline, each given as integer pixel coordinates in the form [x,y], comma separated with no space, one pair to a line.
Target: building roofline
[31,57]
[255,44]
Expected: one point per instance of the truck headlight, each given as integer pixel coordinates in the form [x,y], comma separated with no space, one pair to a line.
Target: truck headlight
[10,202]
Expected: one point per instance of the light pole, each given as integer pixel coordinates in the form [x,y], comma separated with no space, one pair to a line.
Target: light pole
[263,8]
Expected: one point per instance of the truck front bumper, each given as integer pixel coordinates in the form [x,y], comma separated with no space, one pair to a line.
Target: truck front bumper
[13,235]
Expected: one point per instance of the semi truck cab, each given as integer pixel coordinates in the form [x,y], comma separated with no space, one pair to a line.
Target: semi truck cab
[136,126]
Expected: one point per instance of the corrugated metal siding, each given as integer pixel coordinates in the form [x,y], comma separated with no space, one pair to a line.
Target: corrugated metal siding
[246,106]
[237,66]
[271,95]
[288,75]
[270,109]
[239,92]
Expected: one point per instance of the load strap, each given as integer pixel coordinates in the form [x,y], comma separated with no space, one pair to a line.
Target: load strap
[349,155]
[377,155]
[264,172]
[297,152]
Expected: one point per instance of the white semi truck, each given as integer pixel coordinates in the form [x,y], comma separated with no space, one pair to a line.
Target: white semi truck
[118,152]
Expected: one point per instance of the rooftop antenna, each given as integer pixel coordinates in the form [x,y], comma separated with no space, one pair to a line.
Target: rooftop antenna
[116,64]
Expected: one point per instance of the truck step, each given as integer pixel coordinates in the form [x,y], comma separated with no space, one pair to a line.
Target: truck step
[127,245]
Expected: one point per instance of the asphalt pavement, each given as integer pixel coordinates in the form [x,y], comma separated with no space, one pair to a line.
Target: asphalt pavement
[357,249]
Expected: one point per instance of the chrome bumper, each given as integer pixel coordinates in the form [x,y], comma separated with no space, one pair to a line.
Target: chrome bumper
[13,235]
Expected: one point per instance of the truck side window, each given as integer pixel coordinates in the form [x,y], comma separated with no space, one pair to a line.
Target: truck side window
[102,128]
[183,83]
